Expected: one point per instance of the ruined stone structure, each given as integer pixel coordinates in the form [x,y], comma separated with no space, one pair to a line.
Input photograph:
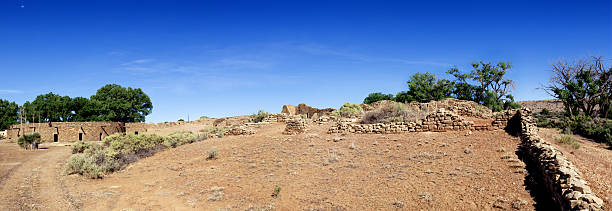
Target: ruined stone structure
[74,131]
[306,110]
[559,176]
[439,121]
[239,130]
[295,126]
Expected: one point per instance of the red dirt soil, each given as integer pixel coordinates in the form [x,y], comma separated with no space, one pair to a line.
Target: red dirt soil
[315,171]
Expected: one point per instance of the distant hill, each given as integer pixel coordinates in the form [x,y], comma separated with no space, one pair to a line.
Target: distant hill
[538,105]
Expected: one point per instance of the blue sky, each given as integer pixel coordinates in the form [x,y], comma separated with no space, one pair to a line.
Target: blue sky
[225,58]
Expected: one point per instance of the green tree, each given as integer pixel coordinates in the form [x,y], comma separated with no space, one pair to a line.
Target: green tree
[425,87]
[402,97]
[492,89]
[121,104]
[584,87]
[49,107]
[375,97]
[9,114]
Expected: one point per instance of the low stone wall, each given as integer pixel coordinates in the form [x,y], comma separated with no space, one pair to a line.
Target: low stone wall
[560,176]
[295,126]
[276,117]
[239,130]
[439,121]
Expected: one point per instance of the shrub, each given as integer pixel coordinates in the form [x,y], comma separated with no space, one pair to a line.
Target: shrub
[348,110]
[80,147]
[218,131]
[259,116]
[94,160]
[212,153]
[276,192]
[25,141]
[566,139]
[545,111]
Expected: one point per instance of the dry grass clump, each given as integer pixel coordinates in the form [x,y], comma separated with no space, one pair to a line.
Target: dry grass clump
[393,113]
[569,140]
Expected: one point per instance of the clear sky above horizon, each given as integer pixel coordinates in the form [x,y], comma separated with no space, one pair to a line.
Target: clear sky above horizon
[226,58]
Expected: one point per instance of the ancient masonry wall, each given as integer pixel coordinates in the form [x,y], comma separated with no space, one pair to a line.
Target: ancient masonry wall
[439,121]
[74,131]
[295,126]
[559,175]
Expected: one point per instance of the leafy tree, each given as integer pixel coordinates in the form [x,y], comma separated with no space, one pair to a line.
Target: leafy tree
[584,87]
[49,107]
[121,104]
[402,97]
[375,97]
[425,87]
[9,114]
[492,89]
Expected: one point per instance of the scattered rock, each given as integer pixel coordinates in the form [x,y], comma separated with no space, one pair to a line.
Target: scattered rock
[337,139]
[467,151]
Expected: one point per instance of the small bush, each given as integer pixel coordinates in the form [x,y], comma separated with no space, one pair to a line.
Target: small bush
[25,141]
[259,116]
[218,131]
[545,111]
[276,192]
[348,110]
[80,147]
[212,153]
[566,139]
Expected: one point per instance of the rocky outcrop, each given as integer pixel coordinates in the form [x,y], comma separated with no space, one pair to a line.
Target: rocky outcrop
[560,176]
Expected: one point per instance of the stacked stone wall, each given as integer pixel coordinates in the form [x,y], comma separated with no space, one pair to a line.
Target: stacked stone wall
[71,131]
[239,130]
[295,126]
[562,179]
[439,121]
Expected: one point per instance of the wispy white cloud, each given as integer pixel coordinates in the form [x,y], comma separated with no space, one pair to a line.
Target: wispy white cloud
[137,61]
[10,91]
[316,49]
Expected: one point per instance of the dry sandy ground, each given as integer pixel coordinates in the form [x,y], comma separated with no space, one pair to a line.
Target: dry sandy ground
[315,171]
[593,159]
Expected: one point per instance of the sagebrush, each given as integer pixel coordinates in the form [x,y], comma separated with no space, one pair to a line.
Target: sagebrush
[93,160]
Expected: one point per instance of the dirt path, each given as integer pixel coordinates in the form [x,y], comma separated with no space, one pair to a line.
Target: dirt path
[37,184]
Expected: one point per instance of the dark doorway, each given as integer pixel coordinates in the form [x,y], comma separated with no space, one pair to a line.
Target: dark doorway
[100,136]
[55,137]
[80,136]
[136,132]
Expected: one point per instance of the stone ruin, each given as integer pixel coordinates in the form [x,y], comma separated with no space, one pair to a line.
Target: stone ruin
[561,178]
[239,130]
[439,121]
[302,108]
[295,126]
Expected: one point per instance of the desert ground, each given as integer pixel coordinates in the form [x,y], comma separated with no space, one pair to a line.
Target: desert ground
[315,170]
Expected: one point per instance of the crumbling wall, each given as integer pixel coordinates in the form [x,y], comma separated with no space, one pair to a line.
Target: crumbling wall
[439,121]
[562,179]
[295,126]
[306,110]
